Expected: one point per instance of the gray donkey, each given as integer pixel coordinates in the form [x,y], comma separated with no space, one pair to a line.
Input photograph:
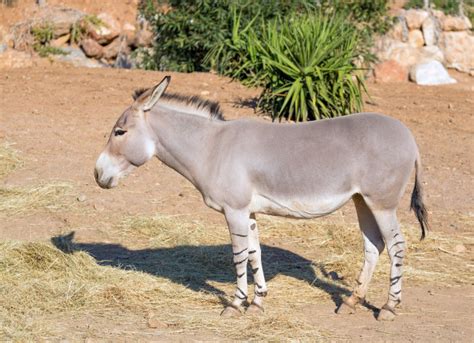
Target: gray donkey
[244,167]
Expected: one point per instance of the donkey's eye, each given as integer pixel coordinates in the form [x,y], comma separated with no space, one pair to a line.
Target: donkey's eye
[119,132]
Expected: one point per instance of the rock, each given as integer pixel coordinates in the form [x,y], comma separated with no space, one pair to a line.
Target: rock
[106,32]
[91,48]
[390,71]
[129,31]
[458,49]
[61,41]
[432,52]
[415,38]
[81,198]
[430,73]
[77,58]
[455,23]
[15,59]
[112,50]
[399,30]
[60,18]
[430,31]
[390,49]
[438,14]
[415,18]
[143,38]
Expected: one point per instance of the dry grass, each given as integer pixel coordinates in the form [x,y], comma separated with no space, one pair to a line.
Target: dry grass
[180,271]
[9,160]
[50,196]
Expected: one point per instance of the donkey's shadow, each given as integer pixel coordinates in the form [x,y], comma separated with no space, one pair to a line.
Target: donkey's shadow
[194,266]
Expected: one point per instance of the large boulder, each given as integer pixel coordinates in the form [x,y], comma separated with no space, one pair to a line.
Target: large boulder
[91,48]
[390,71]
[430,73]
[455,23]
[415,38]
[415,18]
[432,52]
[77,58]
[399,30]
[430,30]
[61,19]
[106,31]
[118,45]
[458,49]
[391,49]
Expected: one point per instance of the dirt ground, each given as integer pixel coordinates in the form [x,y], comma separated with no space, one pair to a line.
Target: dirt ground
[58,118]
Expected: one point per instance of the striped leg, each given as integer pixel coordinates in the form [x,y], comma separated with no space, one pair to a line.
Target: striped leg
[390,229]
[255,260]
[373,247]
[238,223]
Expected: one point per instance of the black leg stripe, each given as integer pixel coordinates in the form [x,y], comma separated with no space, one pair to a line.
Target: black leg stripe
[252,251]
[239,235]
[395,244]
[236,263]
[398,264]
[255,270]
[240,275]
[238,253]
[394,280]
[242,292]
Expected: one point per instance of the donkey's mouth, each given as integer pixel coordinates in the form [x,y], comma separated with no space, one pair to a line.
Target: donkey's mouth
[105,183]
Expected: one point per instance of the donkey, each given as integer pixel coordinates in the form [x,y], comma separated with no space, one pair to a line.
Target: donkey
[308,170]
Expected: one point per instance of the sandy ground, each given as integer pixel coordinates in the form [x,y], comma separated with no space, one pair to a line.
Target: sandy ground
[58,118]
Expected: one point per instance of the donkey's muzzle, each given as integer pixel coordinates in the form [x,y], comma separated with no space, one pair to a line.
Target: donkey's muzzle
[105,184]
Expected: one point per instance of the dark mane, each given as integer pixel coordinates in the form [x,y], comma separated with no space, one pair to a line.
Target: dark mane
[193,101]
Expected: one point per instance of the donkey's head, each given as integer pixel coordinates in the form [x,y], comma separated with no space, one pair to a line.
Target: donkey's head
[131,142]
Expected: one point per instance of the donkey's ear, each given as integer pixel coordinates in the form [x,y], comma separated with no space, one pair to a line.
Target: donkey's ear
[156,93]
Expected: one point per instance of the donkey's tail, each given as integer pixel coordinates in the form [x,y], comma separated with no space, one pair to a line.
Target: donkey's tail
[417,204]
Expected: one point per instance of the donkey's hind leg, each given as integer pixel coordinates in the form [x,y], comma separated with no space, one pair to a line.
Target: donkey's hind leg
[373,246]
[390,229]
[255,260]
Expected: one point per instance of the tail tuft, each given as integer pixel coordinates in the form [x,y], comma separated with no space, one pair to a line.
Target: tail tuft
[417,204]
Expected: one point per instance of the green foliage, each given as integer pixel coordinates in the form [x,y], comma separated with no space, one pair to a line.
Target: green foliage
[189,30]
[447,6]
[42,36]
[79,29]
[307,67]
[46,50]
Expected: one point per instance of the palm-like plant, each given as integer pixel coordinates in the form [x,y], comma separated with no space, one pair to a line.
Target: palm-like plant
[308,68]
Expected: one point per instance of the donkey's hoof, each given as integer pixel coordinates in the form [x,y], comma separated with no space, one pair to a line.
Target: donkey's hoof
[255,309]
[346,308]
[386,315]
[230,312]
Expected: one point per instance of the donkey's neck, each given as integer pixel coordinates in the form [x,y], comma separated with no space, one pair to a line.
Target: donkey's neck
[184,141]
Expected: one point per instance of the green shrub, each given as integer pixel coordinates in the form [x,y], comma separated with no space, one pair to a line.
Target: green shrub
[42,36]
[306,65]
[189,30]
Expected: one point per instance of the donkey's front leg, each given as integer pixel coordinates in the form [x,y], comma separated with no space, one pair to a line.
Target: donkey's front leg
[238,223]
[255,259]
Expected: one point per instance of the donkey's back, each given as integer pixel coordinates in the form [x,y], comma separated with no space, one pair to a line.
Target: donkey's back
[311,169]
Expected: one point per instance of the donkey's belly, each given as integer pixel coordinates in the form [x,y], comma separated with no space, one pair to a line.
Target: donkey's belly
[299,207]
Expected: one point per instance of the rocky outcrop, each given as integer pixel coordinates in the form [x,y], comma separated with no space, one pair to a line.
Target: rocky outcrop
[421,36]
[430,73]
[100,39]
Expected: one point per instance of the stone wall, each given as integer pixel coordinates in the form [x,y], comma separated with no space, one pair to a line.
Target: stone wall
[85,40]
[422,36]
